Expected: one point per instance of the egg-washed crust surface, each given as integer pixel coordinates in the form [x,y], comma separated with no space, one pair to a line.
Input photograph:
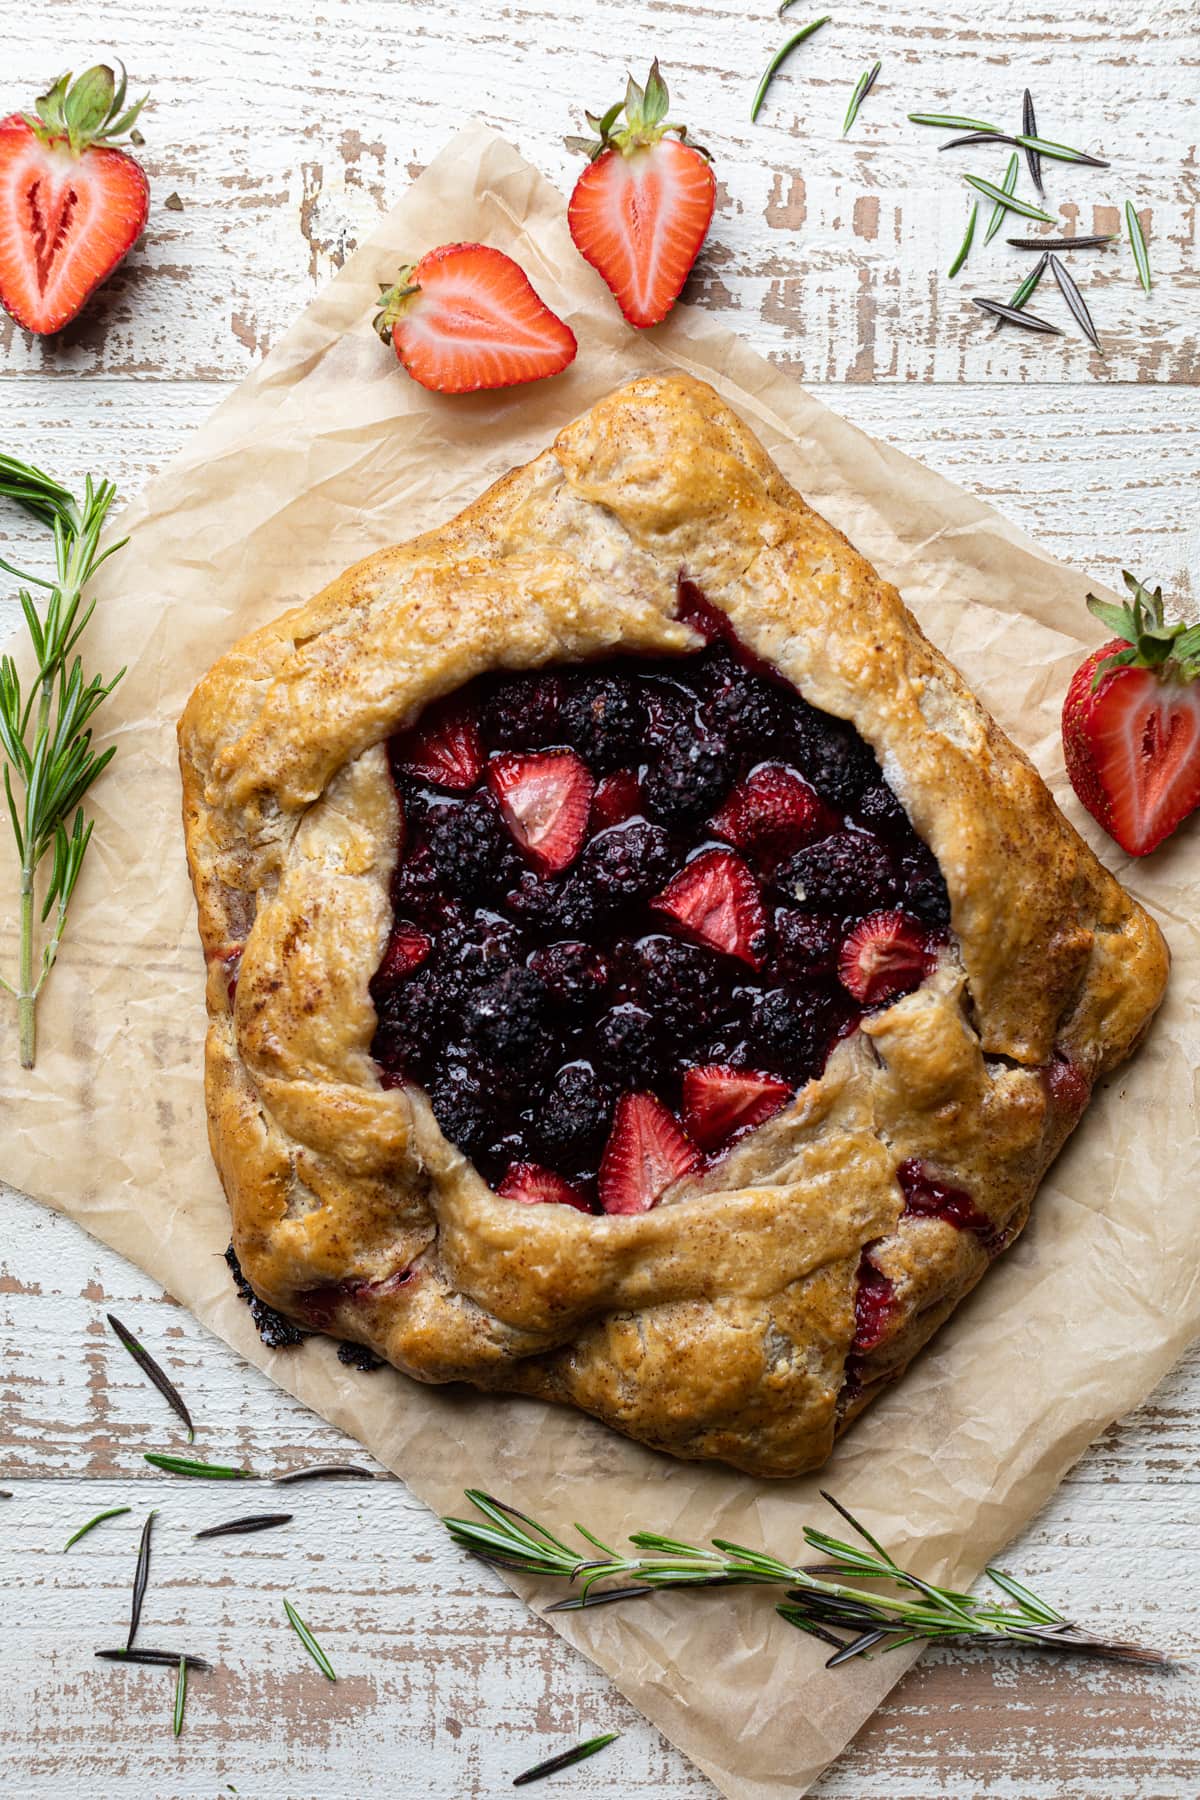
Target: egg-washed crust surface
[720,1323]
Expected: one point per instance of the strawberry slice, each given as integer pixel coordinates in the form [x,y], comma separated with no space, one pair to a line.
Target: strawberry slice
[718,1100]
[617,798]
[444,748]
[886,954]
[407,949]
[642,207]
[71,206]
[1131,723]
[465,317]
[772,813]
[715,901]
[646,1151]
[533,1185]
[545,800]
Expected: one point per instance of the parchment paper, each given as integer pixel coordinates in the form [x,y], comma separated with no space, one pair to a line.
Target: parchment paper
[328,452]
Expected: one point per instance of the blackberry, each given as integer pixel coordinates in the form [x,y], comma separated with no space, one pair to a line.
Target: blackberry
[844,873]
[806,945]
[411,1023]
[575,975]
[416,888]
[627,862]
[601,718]
[749,713]
[520,712]
[505,1019]
[679,985]
[832,755]
[689,777]
[627,1048]
[276,1332]
[792,1032]
[464,1106]
[471,951]
[923,887]
[574,1114]
[879,809]
[469,847]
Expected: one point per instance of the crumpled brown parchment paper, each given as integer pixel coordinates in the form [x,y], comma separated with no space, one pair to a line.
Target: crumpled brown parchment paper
[328,452]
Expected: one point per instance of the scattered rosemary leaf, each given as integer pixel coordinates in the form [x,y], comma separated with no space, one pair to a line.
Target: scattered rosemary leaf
[863,86]
[114,1512]
[180,1695]
[247,1523]
[951,122]
[1008,201]
[553,1764]
[140,1578]
[309,1641]
[155,1659]
[150,1368]
[1074,299]
[779,58]
[325,1472]
[965,246]
[1063,243]
[1029,130]
[1137,243]
[1015,316]
[1007,186]
[1026,287]
[182,1465]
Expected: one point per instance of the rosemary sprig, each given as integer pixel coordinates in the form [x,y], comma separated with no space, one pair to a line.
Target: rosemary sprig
[180,1696]
[1074,299]
[1008,186]
[862,88]
[140,1579]
[1137,243]
[779,58]
[150,1368]
[965,247]
[567,1760]
[1009,202]
[183,1465]
[46,734]
[820,1600]
[1029,129]
[114,1512]
[309,1641]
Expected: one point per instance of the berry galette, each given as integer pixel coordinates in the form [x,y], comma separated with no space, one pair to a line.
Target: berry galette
[640,973]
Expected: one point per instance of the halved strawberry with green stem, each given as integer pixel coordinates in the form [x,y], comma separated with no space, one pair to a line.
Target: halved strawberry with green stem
[71,206]
[545,800]
[466,317]
[642,208]
[1131,722]
[645,1153]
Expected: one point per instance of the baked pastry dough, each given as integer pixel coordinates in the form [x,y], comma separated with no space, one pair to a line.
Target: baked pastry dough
[777,1286]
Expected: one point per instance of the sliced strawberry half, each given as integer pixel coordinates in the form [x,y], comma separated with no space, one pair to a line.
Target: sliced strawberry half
[465,317]
[772,813]
[407,949]
[718,1100]
[617,798]
[444,748]
[642,208]
[545,800]
[533,1185]
[715,901]
[645,1153]
[886,954]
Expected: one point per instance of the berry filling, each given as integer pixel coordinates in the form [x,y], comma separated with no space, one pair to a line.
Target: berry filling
[638,903]
[927,1196]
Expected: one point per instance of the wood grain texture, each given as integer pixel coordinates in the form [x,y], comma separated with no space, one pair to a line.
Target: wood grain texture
[285,135]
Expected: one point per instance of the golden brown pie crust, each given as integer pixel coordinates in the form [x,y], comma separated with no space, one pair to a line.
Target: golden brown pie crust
[718,1324]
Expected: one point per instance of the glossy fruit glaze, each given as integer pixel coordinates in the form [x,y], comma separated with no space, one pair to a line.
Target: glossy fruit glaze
[637,903]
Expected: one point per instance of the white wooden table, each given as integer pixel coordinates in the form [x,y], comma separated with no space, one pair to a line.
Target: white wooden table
[284,136]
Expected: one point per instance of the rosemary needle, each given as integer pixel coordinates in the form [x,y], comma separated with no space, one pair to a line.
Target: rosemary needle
[114,1512]
[325,1472]
[950,122]
[1074,299]
[1026,287]
[309,1641]
[151,1369]
[779,58]
[183,1465]
[567,1760]
[1137,243]
[1008,186]
[248,1523]
[1009,202]
[862,88]
[965,246]
[1029,130]
[180,1695]
[140,1579]
[1015,316]
[154,1659]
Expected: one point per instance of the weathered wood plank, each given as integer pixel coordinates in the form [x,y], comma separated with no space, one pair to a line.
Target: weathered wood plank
[285,141]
